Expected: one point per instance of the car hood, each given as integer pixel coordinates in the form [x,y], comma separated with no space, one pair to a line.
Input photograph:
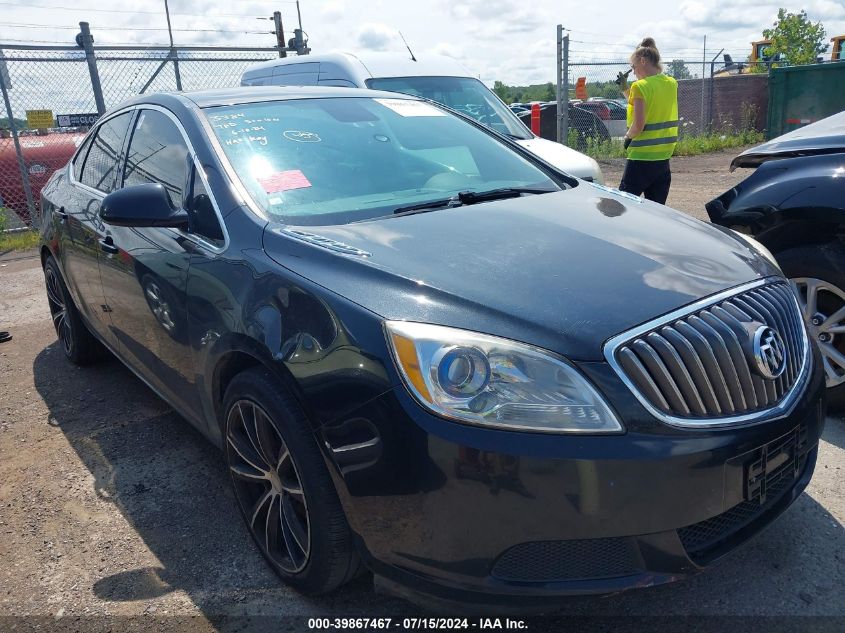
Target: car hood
[822,137]
[564,271]
[564,158]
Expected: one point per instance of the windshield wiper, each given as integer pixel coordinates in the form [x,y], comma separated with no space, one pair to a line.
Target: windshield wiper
[469,197]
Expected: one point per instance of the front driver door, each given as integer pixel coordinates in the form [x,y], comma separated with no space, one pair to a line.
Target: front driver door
[144,279]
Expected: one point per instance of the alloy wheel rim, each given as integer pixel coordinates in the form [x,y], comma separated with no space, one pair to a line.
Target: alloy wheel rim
[58,310]
[268,486]
[823,308]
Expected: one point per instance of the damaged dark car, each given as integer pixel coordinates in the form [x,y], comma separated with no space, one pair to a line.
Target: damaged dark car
[794,204]
[426,353]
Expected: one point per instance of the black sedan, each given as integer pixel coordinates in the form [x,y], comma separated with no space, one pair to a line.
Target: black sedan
[794,204]
[426,353]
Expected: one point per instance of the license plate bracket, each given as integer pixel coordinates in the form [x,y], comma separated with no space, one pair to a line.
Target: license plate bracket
[779,458]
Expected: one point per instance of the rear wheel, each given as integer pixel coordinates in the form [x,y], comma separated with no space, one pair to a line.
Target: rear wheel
[79,345]
[817,274]
[284,491]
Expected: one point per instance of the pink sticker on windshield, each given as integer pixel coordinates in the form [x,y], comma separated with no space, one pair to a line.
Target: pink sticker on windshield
[284,181]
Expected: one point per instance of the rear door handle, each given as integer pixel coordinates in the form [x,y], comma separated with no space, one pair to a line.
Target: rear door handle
[62,214]
[107,245]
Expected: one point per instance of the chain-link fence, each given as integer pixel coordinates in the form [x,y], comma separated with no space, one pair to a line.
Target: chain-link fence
[716,104]
[713,97]
[53,94]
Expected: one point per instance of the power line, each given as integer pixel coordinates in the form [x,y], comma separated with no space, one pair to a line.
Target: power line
[29,5]
[127,28]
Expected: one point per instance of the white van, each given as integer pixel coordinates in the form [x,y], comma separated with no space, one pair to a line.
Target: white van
[435,77]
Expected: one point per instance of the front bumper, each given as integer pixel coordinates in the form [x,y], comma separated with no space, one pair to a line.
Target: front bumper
[465,515]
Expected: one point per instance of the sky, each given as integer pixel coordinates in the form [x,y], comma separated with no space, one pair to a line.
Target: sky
[507,40]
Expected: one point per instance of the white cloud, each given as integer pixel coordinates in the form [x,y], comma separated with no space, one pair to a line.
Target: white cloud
[377,37]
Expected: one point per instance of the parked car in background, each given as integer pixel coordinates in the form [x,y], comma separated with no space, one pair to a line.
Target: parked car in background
[794,204]
[425,352]
[42,154]
[612,115]
[585,125]
[436,77]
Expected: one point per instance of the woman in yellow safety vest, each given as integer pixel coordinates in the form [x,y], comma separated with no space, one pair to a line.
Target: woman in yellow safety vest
[652,126]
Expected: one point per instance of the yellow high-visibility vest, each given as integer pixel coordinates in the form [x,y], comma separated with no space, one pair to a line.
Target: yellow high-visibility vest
[660,134]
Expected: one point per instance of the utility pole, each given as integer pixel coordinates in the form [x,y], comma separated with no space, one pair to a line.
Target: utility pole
[280,33]
[173,54]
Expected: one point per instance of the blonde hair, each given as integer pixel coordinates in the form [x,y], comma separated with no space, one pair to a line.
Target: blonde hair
[647,50]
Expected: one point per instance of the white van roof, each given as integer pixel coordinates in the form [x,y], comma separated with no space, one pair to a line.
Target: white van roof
[362,66]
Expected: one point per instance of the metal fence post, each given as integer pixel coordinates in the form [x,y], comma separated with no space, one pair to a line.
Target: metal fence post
[34,219]
[563,108]
[559,64]
[88,44]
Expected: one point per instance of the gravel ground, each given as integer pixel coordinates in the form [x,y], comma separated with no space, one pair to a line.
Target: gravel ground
[112,505]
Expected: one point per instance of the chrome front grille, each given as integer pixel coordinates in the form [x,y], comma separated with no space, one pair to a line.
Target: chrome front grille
[698,366]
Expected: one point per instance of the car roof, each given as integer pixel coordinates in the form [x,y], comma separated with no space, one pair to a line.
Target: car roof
[369,64]
[256,94]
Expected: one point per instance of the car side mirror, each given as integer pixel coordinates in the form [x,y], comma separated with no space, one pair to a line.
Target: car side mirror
[142,205]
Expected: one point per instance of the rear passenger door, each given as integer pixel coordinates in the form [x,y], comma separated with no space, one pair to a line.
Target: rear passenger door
[145,279]
[94,173]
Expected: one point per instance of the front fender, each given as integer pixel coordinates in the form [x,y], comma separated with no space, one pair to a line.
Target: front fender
[310,338]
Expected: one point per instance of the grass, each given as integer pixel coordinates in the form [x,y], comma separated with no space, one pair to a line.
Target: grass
[18,241]
[689,145]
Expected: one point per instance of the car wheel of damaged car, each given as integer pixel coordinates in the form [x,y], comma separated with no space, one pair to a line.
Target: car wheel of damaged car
[78,344]
[284,492]
[817,276]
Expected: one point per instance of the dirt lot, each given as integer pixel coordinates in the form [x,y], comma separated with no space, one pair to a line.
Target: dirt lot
[110,504]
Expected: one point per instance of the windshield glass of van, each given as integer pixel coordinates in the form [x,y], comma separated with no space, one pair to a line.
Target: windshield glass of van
[346,159]
[464,94]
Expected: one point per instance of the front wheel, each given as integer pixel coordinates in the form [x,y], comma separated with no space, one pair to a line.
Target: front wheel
[284,491]
[817,274]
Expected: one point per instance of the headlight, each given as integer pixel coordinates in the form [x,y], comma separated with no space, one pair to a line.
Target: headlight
[495,382]
[758,247]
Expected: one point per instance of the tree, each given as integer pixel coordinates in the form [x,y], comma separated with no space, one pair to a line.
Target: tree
[795,39]
[678,69]
[502,91]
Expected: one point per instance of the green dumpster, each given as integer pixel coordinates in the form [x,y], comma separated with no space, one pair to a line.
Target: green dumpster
[799,95]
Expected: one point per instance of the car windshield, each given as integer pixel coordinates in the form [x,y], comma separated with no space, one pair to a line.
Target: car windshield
[346,159]
[464,94]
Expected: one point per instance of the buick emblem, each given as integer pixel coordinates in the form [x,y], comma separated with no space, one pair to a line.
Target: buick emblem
[769,352]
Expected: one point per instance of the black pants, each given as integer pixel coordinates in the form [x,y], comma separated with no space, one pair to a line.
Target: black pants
[649,177]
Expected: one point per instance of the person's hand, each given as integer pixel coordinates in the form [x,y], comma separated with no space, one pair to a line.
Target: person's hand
[622,80]
[626,143]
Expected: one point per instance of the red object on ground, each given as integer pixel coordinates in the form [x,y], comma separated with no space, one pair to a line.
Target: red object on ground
[42,156]
[535,118]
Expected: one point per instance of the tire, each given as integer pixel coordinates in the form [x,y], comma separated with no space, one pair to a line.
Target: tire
[79,345]
[817,274]
[277,471]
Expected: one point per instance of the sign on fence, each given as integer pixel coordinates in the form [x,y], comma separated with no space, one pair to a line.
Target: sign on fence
[76,120]
[39,119]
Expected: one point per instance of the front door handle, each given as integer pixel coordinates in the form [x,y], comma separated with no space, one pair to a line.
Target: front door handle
[107,245]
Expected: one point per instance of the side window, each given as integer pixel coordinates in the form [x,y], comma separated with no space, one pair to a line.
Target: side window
[204,220]
[101,164]
[79,160]
[157,153]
